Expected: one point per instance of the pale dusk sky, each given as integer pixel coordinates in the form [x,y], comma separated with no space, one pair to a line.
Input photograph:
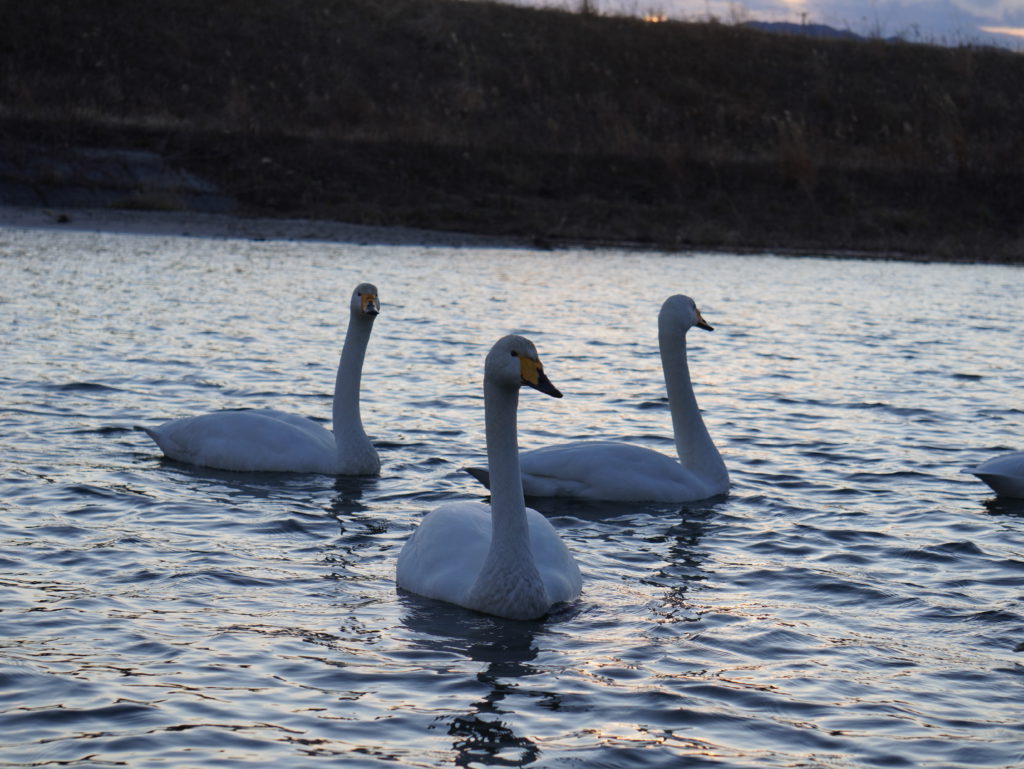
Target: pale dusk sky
[951,22]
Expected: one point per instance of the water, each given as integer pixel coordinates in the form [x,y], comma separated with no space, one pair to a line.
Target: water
[854,602]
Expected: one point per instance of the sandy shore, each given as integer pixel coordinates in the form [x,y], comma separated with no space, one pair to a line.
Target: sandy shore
[191,224]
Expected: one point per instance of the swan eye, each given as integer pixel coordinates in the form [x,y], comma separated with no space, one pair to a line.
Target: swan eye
[514,354]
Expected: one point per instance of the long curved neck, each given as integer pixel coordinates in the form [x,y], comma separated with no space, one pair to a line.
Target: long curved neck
[348,426]
[508,507]
[509,583]
[693,442]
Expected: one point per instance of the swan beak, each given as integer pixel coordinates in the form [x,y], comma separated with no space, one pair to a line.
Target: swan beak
[701,323]
[533,375]
[370,304]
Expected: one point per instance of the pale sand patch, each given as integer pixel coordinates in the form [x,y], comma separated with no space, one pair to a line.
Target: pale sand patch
[191,224]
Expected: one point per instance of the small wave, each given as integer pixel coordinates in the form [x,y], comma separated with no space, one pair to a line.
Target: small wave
[287,526]
[659,404]
[83,387]
[903,411]
[222,577]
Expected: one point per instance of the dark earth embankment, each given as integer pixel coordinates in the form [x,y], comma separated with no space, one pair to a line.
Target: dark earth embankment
[493,119]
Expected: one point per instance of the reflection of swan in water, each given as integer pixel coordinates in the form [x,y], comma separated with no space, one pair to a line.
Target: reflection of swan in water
[1004,474]
[1004,506]
[502,558]
[682,568]
[268,440]
[607,470]
[481,735]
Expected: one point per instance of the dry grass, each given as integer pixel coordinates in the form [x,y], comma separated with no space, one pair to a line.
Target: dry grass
[504,119]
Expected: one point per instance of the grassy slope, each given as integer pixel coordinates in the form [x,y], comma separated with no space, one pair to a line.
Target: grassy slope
[499,119]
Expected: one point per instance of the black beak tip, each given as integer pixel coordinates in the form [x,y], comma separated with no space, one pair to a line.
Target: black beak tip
[544,385]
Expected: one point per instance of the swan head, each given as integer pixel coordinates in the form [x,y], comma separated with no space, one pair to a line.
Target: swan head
[681,311]
[513,362]
[365,301]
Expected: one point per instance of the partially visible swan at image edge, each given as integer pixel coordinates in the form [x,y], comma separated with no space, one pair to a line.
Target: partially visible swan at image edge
[268,440]
[1004,474]
[608,470]
[504,558]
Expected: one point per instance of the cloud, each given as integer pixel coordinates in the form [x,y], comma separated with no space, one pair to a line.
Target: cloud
[993,9]
[1011,31]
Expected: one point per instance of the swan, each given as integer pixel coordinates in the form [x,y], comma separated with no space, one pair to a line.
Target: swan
[1004,474]
[607,470]
[504,558]
[268,440]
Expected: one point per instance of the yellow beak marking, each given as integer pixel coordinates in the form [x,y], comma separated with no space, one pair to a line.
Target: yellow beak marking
[369,301]
[530,370]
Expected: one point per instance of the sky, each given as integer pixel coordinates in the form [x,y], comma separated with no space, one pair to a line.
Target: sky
[952,22]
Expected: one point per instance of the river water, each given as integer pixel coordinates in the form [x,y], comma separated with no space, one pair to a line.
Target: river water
[855,601]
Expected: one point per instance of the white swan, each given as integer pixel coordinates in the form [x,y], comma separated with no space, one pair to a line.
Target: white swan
[268,440]
[606,470]
[503,559]
[1004,474]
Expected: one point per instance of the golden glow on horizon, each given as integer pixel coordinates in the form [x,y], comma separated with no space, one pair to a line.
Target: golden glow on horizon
[1012,31]
[655,18]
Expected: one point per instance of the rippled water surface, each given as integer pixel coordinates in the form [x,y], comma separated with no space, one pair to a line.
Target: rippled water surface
[854,601]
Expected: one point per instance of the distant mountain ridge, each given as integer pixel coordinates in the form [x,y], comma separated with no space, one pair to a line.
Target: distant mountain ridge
[807,30]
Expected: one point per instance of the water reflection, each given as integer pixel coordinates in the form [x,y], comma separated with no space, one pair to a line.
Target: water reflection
[1004,506]
[481,736]
[508,649]
[489,743]
[349,493]
[259,486]
[599,510]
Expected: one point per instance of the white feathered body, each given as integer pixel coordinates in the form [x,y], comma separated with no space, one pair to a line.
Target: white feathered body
[452,543]
[261,440]
[617,472]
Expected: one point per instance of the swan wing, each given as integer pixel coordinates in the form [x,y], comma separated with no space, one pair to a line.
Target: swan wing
[605,470]
[260,440]
[444,555]
[558,569]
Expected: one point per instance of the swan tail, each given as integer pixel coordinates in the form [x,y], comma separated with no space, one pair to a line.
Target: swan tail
[163,441]
[150,432]
[480,474]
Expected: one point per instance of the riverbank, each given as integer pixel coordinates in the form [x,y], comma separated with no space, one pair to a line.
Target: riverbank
[213,225]
[536,125]
[235,226]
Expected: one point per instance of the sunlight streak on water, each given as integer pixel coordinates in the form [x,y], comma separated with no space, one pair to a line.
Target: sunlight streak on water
[854,601]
